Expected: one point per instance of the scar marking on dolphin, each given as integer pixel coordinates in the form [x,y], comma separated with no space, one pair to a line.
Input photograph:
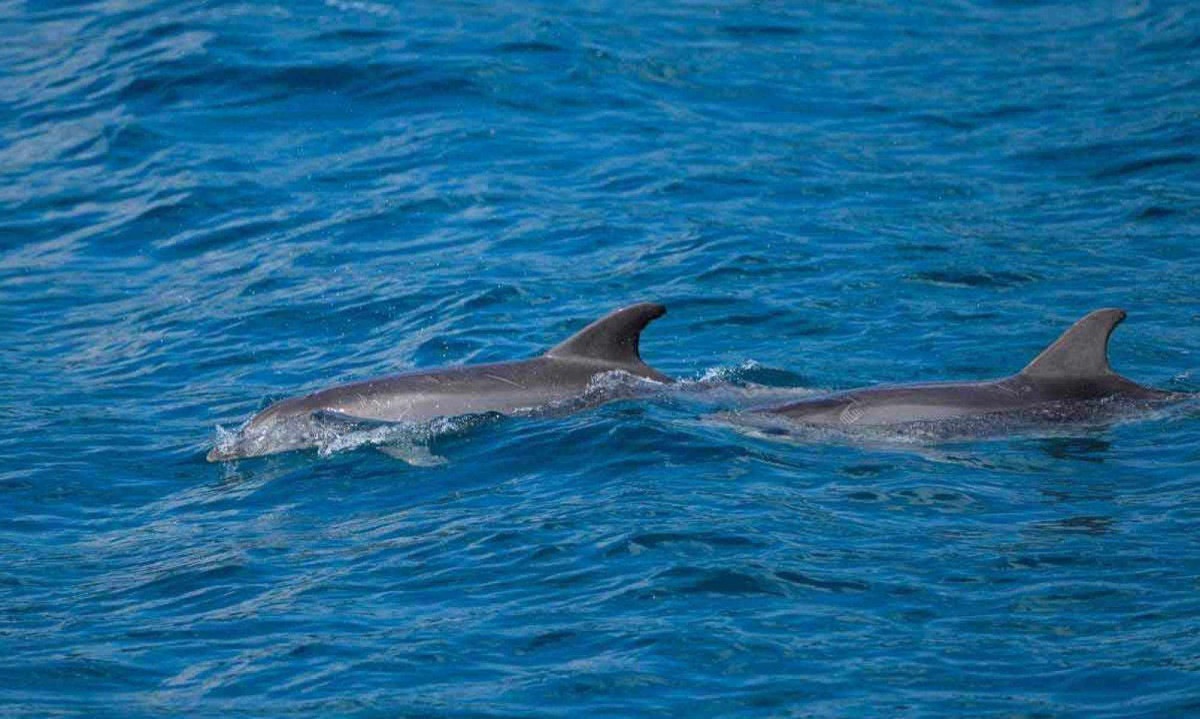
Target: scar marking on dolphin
[505,380]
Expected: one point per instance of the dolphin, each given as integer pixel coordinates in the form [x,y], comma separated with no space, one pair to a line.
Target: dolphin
[609,344]
[1070,380]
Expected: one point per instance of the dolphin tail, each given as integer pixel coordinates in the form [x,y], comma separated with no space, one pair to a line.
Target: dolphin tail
[614,339]
[1081,351]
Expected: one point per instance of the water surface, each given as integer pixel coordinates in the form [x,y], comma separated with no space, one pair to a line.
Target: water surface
[209,205]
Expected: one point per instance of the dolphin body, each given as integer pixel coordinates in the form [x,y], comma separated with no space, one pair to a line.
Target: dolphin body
[1070,380]
[563,373]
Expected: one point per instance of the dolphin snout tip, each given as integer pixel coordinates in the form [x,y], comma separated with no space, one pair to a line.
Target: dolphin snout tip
[218,455]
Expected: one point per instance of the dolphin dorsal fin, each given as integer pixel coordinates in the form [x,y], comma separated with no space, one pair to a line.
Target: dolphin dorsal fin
[612,338]
[1081,351]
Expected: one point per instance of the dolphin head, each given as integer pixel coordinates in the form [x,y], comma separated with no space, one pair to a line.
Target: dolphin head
[221,454]
[271,431]
[242,443]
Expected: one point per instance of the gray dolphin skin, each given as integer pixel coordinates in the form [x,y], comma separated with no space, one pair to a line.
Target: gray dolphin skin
[1073,370]
[563,373]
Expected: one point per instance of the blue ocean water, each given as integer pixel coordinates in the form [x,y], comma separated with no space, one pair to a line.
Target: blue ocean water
[208,205]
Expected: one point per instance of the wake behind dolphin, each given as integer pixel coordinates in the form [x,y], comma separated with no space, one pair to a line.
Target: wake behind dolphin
[563,374]
[1070,381]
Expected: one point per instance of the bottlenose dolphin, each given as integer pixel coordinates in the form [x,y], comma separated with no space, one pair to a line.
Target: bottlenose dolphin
[1071,374]
[563,373]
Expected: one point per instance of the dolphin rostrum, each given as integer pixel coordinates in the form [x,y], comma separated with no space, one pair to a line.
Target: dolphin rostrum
[563,373]
[1071,373]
